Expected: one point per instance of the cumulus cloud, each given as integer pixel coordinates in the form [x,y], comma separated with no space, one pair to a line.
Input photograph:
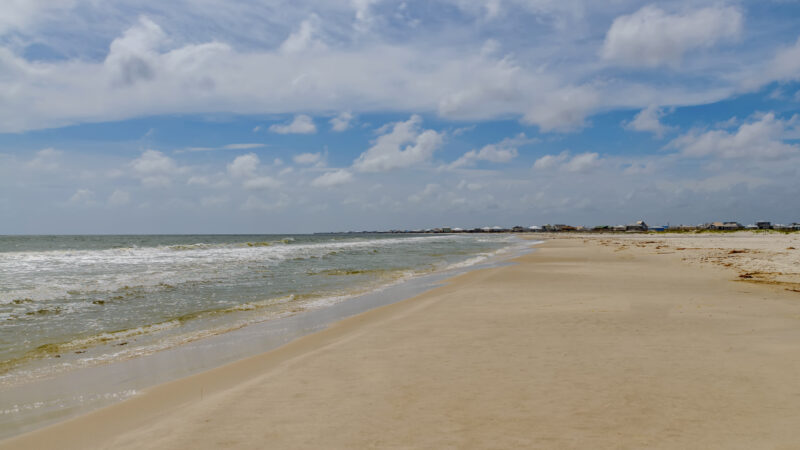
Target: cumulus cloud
[501,152]
[304,38]
[582,162]
[333,178]
[19,14]
[154,168]
[564,109]
[153,161]
[785,66]
[341,122]
[164,68]
[133,57]
[301,124]
[550,161]
[82,197]
[649,120]
[652,37]
[364,18]
[761,138]
[307,158]
[430,189]
[405,145]
[244,166]
[45,159]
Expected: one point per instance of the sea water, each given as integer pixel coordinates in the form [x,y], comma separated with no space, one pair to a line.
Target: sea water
[68,302]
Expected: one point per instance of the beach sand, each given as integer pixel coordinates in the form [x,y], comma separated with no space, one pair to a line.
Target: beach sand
[582,344]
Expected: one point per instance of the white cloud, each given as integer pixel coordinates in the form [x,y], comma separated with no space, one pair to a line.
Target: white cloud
[786,64]
[118,198]
[301,124]
[761,138]
[582,162]
[464,184]
[45,159]
[153,161]
[334,178]
[155,169]
[652,37]
[82,196]
[550,161]
[304,38]
[133,57]
[244,146]
[244,166]
[20,14]
[462,130]
[182,69]
[307,158]
[261,183]
[501,152]
[564,109]
[639,168]
[649,120]
[430,189]
[363,16]
[405,146]
[341,122]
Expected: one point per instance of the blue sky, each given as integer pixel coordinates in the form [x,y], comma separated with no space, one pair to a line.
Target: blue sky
[247,116]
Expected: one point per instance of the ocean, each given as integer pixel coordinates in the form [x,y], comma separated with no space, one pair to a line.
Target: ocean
[68,302]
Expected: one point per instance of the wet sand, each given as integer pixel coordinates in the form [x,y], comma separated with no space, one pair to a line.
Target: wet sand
[579,345]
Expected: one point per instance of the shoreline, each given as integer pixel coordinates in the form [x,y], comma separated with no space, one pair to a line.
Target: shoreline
[99,386]
[575,345]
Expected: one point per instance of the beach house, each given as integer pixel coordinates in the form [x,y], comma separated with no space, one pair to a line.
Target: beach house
[638,226]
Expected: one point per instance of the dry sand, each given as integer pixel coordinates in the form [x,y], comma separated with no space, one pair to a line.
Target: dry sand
[583,344]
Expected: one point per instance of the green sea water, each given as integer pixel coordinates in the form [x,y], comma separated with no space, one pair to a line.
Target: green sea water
[68,302]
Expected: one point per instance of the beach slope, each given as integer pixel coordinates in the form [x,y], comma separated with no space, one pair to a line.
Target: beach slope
[578,345]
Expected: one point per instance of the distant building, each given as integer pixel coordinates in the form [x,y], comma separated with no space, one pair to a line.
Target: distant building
[535,228]
[638,226]
[725,226]
[763,225]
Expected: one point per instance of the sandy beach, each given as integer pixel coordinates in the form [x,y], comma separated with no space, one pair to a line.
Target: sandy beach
[602,342]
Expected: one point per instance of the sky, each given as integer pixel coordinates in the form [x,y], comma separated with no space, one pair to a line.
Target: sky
[271,116]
